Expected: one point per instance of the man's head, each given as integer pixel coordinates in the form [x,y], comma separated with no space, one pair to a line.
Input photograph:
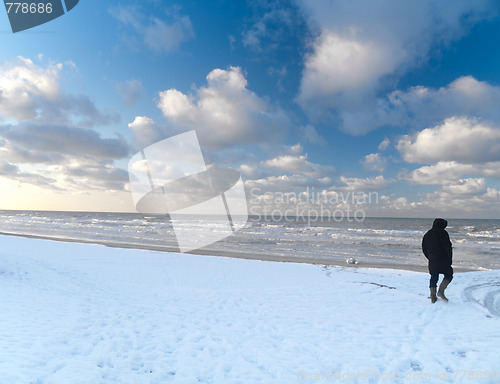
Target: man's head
[440,223]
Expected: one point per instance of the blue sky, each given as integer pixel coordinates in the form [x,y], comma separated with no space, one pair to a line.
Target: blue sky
[395,98]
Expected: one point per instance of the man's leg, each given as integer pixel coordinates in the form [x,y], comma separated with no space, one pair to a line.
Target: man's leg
[432,285]
[447,280]
[434,280]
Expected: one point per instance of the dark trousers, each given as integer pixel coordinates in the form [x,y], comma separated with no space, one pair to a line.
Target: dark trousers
[435,278]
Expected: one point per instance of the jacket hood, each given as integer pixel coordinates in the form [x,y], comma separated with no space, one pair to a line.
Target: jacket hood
[440,223]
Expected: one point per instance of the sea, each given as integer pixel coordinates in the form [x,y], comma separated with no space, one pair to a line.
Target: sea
[371,241]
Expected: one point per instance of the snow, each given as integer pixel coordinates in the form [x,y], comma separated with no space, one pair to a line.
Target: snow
[83,313]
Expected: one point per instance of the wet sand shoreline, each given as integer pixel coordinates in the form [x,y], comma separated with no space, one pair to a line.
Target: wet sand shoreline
[248,256]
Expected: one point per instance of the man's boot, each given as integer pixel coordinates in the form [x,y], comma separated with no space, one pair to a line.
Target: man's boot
[433,295]
[442,287]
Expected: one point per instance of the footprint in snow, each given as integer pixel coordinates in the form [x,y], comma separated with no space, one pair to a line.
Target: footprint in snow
[416,366]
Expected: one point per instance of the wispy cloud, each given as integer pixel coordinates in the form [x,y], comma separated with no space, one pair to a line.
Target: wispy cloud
[272,22]
[130,91]
[374,162]
[162,35]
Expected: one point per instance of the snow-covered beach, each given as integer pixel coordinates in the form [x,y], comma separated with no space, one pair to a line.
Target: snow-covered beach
[85,313]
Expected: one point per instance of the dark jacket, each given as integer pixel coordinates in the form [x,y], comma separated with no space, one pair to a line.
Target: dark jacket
[436,246]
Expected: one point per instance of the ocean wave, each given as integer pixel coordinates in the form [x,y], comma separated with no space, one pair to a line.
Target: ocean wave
[476,242]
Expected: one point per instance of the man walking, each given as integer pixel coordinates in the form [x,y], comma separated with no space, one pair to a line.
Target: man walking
[436,246]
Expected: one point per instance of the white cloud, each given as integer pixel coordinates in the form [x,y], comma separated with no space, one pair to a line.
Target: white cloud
[23,86]
[225,112]
[13,172]
[7,168]
[341,72]
[294,163]
[85,175]
[467,198]
[309,133]
[384,145]
[286,183]
[162,36]
[421,106]
[287,173]
[293,182]
[465,96]
[374,162]
[491,169]
[448,172]
[298,164]
[471,186]
[366,184]
[398,205]
[362,46]
[295,175]
[175,105]
[79,175]
[296,149]
[461,152]
[47,137]
[458,139]
[444,172]
[145,131]
[481,204]
[28,143]
[32,92]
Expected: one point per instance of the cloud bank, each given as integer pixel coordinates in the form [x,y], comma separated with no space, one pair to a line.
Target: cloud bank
[363,47]
[50,138]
